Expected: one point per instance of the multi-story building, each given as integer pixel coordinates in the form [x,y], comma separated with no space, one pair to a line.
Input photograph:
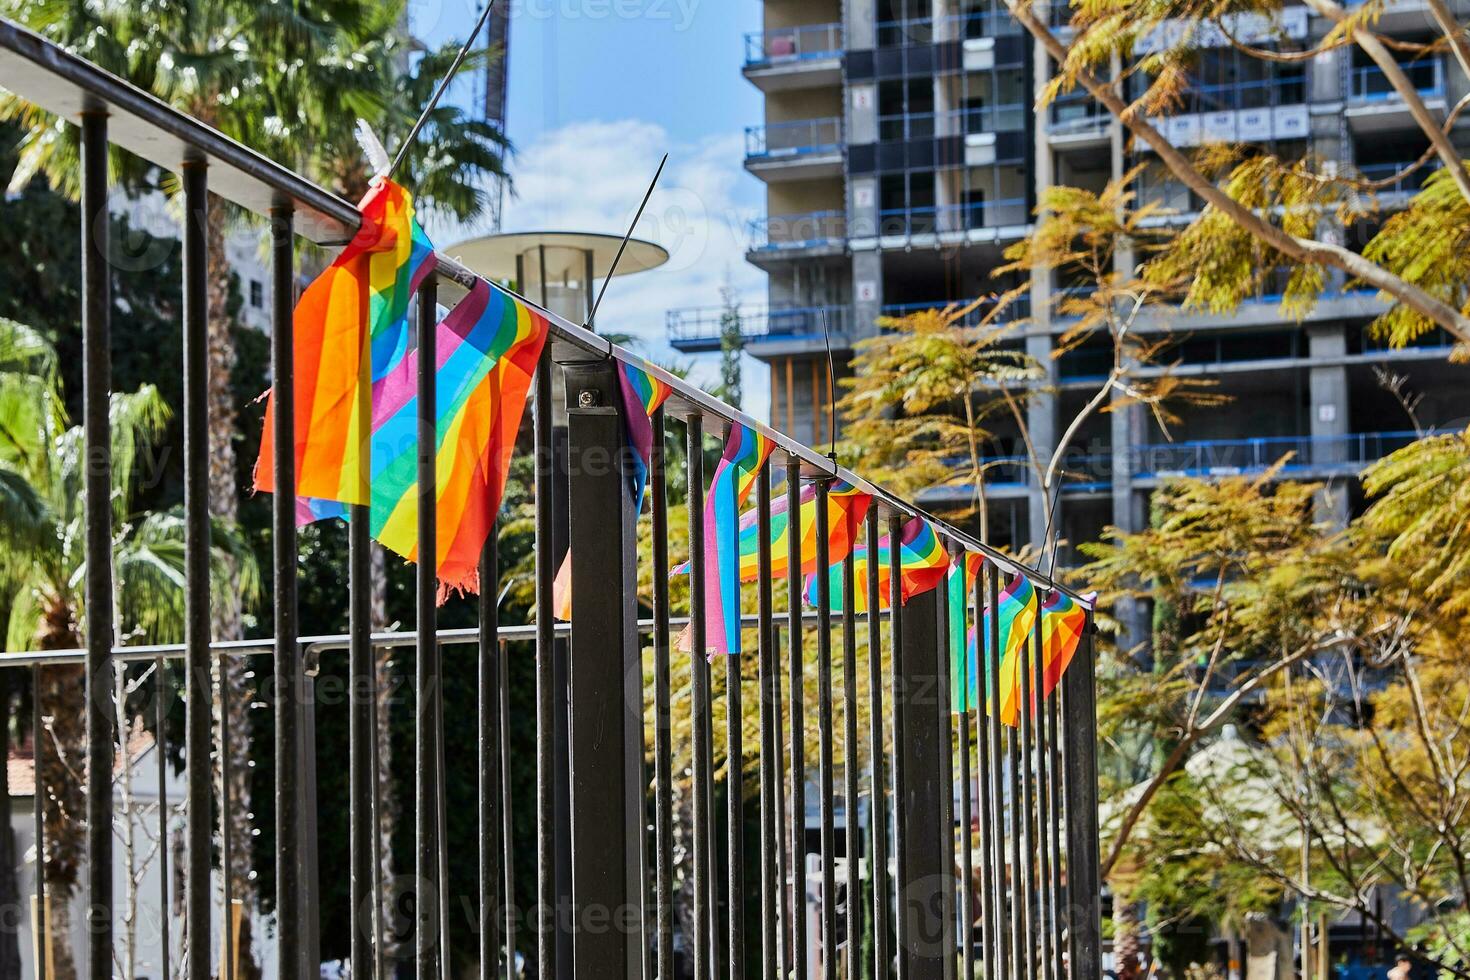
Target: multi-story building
[901,154]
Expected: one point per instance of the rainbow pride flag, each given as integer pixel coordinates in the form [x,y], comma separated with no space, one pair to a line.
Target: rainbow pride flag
[642,395]
[1016,611]
[959,590]
[922,566]
[847,507]
[746,451]
[487,349]
[1062,623]
[350,331]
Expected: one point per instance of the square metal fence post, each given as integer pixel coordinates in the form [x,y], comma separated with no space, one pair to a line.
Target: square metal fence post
[606,684]
[923,876]
[1079,735]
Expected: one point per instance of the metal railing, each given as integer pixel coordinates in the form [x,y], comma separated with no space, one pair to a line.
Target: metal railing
[1369,84]
[783,45]
[787,140]
[955,27]
[793,231]
[1018,308]
[1004,118]
[931,220]
[1229,457]
[698,328]
[604,740]
[1410,183]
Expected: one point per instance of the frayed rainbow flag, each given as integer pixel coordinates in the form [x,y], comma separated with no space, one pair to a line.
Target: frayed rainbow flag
[922,565]
[1062,623]
[350,331]
[746,451]
[486,354]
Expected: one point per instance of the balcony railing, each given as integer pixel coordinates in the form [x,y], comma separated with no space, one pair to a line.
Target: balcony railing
[1411,183]
[794,231]
[1076,114]
[698,329]
[1229,457]
[1017,309]
[804,137]
[581,709]
[937,30]
[1005,118]
[783,45]
[949,218]
[1369,84]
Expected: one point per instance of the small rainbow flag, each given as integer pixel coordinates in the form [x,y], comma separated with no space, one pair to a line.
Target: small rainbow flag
[1017,617]
[922,564]
[745,453]
[960,589]
[642,395]
[1062,623]
[350,331]
[847,507]
[487,349]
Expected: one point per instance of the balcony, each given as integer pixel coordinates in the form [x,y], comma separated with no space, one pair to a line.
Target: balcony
[1234,457]
[1397,192]
[787,58]
[1374,105]
[799,150]
[973,26]
[977,221]
[1076,120]
[1006,118]
[696,330]
[1018,309]
[781,236]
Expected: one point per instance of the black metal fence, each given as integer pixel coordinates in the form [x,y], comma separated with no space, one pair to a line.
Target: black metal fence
[1006,887]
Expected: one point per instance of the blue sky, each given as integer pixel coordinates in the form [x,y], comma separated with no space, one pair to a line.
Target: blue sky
[599,90]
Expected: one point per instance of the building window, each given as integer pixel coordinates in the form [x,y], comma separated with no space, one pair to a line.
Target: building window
[257,294]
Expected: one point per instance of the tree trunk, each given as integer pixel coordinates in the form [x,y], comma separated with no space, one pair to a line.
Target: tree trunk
[226,612]
[63,749]
[1125,938]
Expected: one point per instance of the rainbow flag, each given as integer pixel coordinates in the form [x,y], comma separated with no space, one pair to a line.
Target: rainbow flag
[350,331]
[922,566]
[1062,623]
[642,395]
[1017,616]
[745,453]
[847,507]
[959,590]
[487,349]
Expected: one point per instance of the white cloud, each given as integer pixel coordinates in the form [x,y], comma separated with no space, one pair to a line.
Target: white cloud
[590,176]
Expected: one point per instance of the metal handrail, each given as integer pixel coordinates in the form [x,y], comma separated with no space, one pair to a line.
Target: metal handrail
[790,44]
[706,322]
[1370,84]
[794,138]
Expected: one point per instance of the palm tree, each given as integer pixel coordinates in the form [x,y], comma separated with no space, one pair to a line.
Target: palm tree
[42,570]
[289,80]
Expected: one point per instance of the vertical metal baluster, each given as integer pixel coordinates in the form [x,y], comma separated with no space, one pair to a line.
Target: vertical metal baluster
[160,752]
[1029,651]
[698,700]
[1008,860]
[489,756]
[198,723]
[1080,736]
[663,748]
[375,776]
[782,911]
[426,761]
[734,815]
[507,813]
[967,856]
[1053,763]
[711,842]
[363,729]
[226,851]
[824,736]
[798,723]
[1047,923]
[38,821]
[946,782]
[989,941]
[769,772]
[877,800]
[900,698]
[545,924]
[1064,755]
[96,396]
[283,558]
[850,835]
